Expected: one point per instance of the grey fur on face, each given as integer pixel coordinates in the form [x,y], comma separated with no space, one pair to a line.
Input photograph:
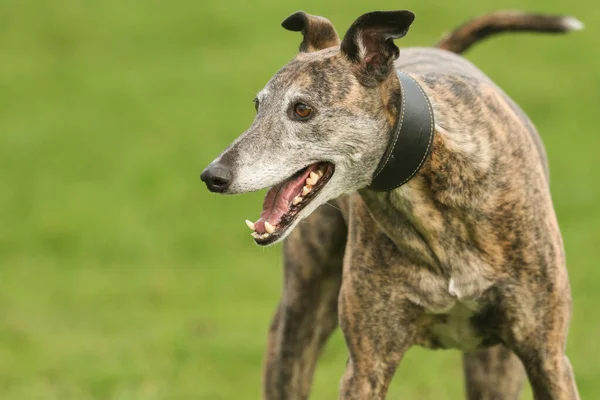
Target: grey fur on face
[349,129]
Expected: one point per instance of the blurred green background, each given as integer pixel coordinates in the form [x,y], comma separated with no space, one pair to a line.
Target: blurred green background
[121,277]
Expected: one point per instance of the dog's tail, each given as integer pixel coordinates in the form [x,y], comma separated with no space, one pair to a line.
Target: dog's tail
[471,32]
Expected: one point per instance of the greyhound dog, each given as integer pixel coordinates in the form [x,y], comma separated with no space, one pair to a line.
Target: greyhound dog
[428,220]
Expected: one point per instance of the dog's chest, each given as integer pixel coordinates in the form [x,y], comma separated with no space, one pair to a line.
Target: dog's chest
[453,329]
[449,314]
[451,311]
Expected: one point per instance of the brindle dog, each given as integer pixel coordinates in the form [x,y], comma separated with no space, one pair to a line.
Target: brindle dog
[466,255]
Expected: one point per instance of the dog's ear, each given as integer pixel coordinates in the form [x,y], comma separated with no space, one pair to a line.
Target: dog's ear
[318,32]
[369,42]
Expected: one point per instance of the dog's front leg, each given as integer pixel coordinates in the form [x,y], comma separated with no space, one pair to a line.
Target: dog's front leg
[538,334]
[494,373]
[379,325]
[377,318]
[307,312]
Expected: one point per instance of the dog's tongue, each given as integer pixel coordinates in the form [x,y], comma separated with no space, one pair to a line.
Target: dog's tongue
[278,200]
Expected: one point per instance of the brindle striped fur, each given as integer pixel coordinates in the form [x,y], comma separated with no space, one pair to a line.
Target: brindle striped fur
[468,254]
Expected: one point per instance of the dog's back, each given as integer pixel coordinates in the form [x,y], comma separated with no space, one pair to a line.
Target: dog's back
[443,71]
[448,77]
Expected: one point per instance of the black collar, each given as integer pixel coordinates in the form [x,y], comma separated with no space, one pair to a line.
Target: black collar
[410,141]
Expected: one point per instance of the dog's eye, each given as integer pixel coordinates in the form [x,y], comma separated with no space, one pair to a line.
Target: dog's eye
[302,111]
[256,104]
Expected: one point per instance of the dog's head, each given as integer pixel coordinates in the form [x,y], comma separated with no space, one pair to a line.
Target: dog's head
[322,121]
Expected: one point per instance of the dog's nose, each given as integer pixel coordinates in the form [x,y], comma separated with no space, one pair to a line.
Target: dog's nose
[217,177]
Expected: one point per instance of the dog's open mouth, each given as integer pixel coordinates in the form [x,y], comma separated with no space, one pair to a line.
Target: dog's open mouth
[284,201]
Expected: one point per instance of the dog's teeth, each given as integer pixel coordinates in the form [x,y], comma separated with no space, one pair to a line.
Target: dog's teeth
[297,200]
[269,228]
[313,179]
[264,235]
[250,224]
[320,173]
[255,235]
[306,190]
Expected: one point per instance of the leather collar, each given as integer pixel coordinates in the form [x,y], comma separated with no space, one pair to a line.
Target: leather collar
[410,141]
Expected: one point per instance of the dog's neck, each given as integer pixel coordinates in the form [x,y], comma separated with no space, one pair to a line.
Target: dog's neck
[390,206]
[396,201]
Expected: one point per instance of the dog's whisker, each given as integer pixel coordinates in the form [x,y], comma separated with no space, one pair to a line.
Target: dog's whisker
[331,205]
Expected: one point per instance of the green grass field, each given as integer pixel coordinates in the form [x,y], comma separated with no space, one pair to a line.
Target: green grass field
[122,278]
